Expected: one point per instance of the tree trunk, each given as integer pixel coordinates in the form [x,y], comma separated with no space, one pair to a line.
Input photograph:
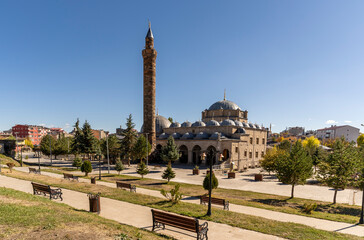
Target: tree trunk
[292,192]
[335,196]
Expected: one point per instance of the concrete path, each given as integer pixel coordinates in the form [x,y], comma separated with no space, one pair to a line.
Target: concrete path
[136,215]
[273,215]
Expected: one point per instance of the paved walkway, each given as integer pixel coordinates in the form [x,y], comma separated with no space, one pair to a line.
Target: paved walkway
[136,215]
[273,215]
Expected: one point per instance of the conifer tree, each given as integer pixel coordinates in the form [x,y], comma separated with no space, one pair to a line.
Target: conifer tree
[86,167]
[130,136]
[170,152]
[141,148]
[206,182]
[88,139]
[119,166]
[142,169]
[76,144]
[169,173]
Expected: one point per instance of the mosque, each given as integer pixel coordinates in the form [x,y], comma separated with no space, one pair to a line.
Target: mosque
[224,127]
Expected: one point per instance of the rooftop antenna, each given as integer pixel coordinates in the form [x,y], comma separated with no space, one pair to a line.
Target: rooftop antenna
[224,94]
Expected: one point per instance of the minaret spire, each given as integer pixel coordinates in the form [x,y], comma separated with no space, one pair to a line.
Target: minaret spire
[224,94]
[149,33]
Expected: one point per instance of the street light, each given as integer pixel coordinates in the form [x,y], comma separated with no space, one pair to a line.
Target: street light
[211,154]
[361,221]
[107,152]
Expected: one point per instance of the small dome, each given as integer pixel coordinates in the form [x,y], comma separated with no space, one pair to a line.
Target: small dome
[202,135]
[224,104]
[198,124]
[228,122]
[251,125]
[212,123]
[245,125]
[187,136]
[216,135]
[163,136]
[257,126]
[176,135]
[160,123]
[238,123]
[186,124]
[241,131]
[175,124]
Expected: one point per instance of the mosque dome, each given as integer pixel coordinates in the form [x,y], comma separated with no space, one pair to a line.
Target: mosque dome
[187,136]
[257,126]
[163,136]
[245,125]
[186,124]
[175,124]
[251,125]
[202,135]
[176,135]
[225,105]
[212,123]
[238,123]
[198,124]
[216,135]
[227,122]
[240,130]
[160,123]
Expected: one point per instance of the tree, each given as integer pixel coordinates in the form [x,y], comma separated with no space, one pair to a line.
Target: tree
[86,167]
[141,148]
[206,182]
[285,145]
[269,161]
[294,168]
[88,139]
[142,169]
[76,144]
[338,169]
[311,144]
[129,139]
[170,152]
[119,166]
[46,143]
[169,173]
[77,162]
[114,147]
[170,119]
[29,143]
[174,195]
[360,140]
[61,146]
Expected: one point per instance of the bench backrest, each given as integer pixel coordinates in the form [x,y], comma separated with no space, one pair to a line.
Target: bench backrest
[186,223]
[32,169]
[67,175]
[41,187]
[122,184]
[220,201]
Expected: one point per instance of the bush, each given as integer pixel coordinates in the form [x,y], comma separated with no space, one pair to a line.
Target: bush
[10,166]
[206,182]
[142,169]
[169,173]
[86,167]
[309,207]
[77,162]
[119,166]
[174,195]
[26,157]
[196,167]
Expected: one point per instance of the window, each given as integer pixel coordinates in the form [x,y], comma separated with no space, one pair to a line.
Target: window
[256,154]
[250,155]
[257,140]
[236,149]
[262,153]
[245,153]
[263,141]
[251,140]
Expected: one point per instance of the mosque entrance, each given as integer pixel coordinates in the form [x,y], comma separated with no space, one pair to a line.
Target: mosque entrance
[183,151]
[196,155]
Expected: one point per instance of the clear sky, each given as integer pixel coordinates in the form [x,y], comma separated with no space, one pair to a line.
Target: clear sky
[289,63]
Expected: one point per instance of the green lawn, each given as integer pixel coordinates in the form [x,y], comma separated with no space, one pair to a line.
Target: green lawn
[25,216]
[5,159]
[285,230]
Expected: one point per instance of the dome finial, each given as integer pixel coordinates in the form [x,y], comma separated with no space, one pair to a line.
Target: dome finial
[149,34]
[224,94]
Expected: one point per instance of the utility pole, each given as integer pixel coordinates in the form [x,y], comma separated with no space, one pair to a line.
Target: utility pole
[50,148]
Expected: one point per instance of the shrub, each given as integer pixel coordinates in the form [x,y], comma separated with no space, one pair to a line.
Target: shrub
[142,169]
[26,157]
[86,167]
[119,166]
[169,173]
[77,162]
[174,195]
[206,182]
[309,207]
[10,166]
[196,167]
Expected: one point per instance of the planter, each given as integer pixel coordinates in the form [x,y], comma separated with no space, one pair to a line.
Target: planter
[93,180]
[231,175]
[258,177]
[196,171]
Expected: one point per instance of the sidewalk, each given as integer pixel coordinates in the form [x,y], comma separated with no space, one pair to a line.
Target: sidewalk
[136,215]
[273,215]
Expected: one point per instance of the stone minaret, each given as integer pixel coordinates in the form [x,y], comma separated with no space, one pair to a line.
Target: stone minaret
[149,57]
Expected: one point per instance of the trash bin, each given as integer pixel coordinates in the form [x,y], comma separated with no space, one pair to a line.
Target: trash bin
[93,180]
[94,200]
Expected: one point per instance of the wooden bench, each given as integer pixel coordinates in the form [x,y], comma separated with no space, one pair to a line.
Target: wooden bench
[34,170]
[125,185]
[54,193]
[70,176]
[217,201]
[161,218]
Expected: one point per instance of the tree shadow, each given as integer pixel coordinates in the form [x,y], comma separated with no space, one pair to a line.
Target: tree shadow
[272,202]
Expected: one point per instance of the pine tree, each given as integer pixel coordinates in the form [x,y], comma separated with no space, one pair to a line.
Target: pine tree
[142,169]
[76,144]
[86,167]
[170,152]
[206,182]
[130,136]
[119,166]
[141,148]
[169,173]
[88,139]
[77,162]
[294,167]
[46,143]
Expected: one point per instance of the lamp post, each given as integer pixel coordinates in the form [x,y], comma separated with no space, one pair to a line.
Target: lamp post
[107,152]
[147,149]
[38,160]
[361,221]
[50,148]
[211,154]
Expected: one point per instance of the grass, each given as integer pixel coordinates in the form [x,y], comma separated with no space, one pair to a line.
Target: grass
[285,230]
[35,217]
[5,159]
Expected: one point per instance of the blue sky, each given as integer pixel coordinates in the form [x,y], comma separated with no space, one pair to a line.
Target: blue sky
[289,63]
